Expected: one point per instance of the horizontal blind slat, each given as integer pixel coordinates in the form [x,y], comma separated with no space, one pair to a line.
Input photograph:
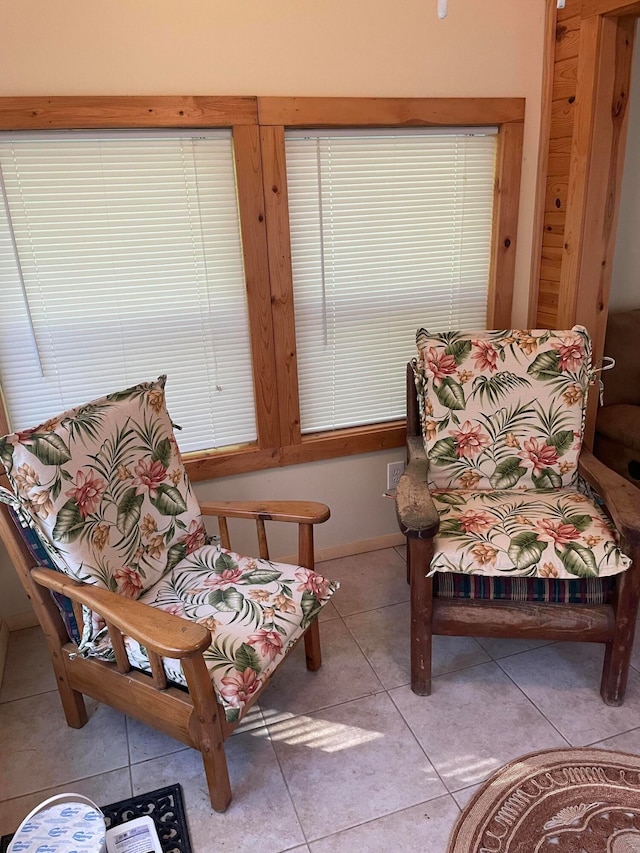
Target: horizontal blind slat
[131,255]
[388,232]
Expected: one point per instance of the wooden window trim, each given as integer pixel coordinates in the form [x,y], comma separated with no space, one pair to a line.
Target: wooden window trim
[87,113]
[258,126]
[251,208]
[277,114]
[388,112]
[210,464]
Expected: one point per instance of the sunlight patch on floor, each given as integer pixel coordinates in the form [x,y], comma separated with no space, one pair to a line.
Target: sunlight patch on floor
[321,734]
[468,769]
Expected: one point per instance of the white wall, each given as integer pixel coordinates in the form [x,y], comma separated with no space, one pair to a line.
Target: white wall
[352,487]
[625,278]
[287,47]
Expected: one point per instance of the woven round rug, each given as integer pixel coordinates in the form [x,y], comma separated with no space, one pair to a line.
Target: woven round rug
[556,801]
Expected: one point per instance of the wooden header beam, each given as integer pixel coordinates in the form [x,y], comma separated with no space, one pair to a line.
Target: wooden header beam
[80,113]
[389,112]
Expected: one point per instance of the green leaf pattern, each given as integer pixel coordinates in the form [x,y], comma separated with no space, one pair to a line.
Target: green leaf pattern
[553,533]
[106,488]
[502,417]
[255,609]
[105,485]
[489,398]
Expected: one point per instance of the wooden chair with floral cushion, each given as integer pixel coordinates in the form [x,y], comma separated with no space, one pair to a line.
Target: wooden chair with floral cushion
[513,528]
[174,630]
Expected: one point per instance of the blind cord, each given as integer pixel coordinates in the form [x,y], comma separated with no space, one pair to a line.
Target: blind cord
[16,255]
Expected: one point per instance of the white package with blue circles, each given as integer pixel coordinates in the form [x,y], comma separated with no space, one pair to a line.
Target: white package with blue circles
[66,823]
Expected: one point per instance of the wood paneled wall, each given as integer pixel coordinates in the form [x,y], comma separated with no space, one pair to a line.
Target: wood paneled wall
[589,48]
[565,48]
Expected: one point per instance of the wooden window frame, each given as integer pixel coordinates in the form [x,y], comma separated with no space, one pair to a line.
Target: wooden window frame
[258,127]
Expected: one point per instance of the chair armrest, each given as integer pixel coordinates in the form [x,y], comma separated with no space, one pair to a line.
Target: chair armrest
[417,515]
[621,497]
[161,632]
[301,512]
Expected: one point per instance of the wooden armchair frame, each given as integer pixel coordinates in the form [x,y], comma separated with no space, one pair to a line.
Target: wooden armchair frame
[612,624]
[192,716]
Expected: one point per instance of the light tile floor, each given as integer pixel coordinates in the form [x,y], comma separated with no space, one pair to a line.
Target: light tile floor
[346,759]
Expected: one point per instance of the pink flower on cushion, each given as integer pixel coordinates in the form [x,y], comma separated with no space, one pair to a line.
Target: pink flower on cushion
[570,352]
[195,536]
[438,365]
[312,582]
[473,521]
[239,687]
[485,355]
[87,493]
[149,474]
[539,455]
[226,578]
[129,582]
[174,609]
[25,434]
[469,439]
[268,642]
[557,532]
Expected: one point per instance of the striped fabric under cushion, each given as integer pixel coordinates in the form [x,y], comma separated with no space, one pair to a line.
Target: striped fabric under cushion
[580,591]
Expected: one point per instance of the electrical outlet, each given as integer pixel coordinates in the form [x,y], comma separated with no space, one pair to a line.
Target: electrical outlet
[395,470]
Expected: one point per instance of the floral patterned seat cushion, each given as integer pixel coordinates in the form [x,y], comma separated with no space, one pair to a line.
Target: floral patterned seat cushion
[105,484]
[502,416]
[554,533]
[255,610]
[503,410]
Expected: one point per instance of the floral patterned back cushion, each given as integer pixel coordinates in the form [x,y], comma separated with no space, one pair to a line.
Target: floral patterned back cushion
[105,484]
[503,409]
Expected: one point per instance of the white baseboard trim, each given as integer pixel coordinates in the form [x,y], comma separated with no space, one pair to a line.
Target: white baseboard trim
[21,620]
[4,644]
[350,549]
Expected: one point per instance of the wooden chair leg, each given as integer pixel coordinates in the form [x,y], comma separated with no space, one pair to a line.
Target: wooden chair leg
[420,552]
[617,656]
[75,711]
[312,648]
[208,730]
[306,557]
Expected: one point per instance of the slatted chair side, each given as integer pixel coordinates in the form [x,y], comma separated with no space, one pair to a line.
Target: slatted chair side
[123,664]
[261,534]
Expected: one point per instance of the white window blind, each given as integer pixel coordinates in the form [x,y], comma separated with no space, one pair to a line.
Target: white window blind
[390,230]
[120,260]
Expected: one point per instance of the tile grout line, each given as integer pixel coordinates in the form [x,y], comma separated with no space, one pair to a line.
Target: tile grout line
[446,795]
[420,746]
[28,696]
[286,784]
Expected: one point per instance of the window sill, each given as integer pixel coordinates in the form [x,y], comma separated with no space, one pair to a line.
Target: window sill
[211,464]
